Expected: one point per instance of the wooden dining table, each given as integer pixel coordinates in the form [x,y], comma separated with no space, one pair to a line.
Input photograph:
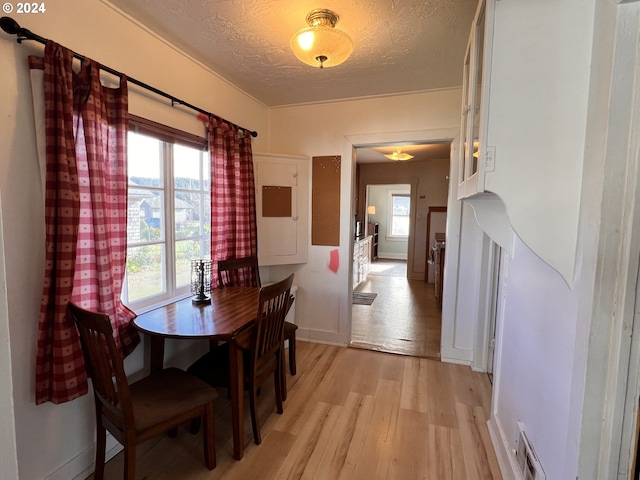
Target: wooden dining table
[228,318]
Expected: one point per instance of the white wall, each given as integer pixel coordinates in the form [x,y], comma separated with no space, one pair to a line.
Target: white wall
[62,436]
[536,342]
[9,464]
[324,307]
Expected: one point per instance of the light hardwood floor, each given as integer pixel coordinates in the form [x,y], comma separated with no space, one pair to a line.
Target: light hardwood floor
[350,414]
[404,317]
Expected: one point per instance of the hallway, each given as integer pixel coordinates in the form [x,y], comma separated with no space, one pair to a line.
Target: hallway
[404,317]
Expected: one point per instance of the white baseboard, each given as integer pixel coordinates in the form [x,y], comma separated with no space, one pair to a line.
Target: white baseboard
[502,447]
[392,256]
[83,464]
[321,336]
[460,356]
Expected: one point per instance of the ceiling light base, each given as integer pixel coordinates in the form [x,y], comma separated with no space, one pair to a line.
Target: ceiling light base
[322,17]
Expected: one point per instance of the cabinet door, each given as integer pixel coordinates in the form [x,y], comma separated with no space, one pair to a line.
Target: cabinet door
[281,205]
[471,179]
[278,234]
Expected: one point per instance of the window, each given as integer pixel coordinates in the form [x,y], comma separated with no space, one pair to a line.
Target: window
[399,208]
[169,216]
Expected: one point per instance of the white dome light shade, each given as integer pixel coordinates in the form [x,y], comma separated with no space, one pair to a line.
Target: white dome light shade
[321,44]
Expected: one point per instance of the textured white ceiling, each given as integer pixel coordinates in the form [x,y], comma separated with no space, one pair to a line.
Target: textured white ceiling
[400,45]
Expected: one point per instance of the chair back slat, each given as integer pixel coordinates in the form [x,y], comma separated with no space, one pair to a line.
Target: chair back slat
[104,363]
[239,272]
[272,310]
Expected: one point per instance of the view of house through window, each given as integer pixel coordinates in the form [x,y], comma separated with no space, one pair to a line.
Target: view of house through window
[169,218]
[399,207]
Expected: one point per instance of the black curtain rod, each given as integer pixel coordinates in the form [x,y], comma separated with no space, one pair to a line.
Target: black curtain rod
[12,27]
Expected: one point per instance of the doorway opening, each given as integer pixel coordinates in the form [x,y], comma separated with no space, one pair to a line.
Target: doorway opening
[392,201]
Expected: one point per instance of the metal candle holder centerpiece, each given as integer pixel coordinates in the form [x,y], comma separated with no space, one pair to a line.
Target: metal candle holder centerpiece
[201,281]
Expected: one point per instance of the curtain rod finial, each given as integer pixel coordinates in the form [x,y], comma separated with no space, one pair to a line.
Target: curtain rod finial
[9,25]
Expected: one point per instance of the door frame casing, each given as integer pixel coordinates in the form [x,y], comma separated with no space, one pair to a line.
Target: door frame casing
[609,401]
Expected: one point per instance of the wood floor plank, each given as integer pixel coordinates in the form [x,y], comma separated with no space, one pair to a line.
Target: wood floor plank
[441,408]
[415,385]
[353,417]
[409,449]
[445,459]
[308,441]
[380,433]
[480,462]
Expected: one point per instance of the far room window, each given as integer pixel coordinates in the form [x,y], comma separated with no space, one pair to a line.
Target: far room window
[169,219]
[399,207]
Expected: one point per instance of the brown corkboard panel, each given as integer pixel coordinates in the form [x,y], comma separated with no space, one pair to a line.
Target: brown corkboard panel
[325,200]
[276,201]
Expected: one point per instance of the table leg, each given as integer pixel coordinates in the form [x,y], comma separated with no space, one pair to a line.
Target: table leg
[156,362]
[237,397]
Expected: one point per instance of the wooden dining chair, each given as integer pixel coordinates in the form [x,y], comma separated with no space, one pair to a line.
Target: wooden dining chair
[244,272]
[136,412]
[262,352]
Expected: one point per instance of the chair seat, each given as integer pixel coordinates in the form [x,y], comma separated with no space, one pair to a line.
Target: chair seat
[153,402]
[289,328]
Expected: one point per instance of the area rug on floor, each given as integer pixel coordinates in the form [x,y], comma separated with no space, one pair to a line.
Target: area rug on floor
[363,298]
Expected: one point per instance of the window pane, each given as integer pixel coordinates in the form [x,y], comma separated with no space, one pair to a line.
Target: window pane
[192,215]
[146,216]
[400,208]
[185,252]
[401,205]
[144,162]
[187,168]
[145,271]
[400,226]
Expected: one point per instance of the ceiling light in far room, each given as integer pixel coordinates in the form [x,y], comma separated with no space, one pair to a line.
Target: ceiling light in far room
[398,155]
[322,44]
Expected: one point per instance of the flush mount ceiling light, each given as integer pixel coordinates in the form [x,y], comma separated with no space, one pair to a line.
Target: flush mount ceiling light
[322,44]
[398,155]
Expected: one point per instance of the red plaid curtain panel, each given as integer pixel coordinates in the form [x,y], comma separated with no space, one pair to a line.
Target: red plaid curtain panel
[85,216]
[233,194]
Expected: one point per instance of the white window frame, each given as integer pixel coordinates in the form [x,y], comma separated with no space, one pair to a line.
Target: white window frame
[170,291]
[390,215]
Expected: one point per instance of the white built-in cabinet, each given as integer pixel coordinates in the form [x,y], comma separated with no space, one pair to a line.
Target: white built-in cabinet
[361,259]
[282,208]
[523,125]
[473,151]
[476,157]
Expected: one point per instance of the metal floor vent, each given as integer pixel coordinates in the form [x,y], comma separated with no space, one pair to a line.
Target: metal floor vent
[528,463]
